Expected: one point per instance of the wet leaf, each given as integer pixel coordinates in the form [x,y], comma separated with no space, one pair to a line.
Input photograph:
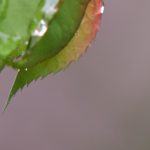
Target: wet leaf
[18,19]
[60,32]
[71,52]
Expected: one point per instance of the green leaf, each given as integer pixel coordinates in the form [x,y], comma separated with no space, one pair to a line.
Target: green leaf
[74,49]
[1,65]
[60,32]
[18,19]
[3,8]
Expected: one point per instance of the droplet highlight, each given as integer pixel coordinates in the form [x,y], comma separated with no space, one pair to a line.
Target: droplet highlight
[102,9]
[48,10]
[41,29]
[26,69]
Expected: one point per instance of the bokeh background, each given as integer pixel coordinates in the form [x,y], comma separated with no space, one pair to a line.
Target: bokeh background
[101,102]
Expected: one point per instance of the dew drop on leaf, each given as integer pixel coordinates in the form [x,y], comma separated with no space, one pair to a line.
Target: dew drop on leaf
[102,9]
[48,10]
[38,33]
[41,29]
[26,69]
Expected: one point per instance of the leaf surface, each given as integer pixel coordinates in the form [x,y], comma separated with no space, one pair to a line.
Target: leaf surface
[74,49]
[60,32]
[18,19]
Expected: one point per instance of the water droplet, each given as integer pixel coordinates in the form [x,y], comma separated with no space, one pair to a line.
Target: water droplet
[38,33]
[41,29]
[49,8]
[102,9]
[26,69]
[26,43]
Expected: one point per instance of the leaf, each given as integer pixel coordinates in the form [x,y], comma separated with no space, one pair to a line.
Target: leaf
[60,32]
[75,48]
[1,65]
[3,8]
[18,19]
